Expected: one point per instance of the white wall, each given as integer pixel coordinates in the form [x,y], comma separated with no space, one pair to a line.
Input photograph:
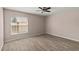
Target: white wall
[64,23]
[1,28]
[36,25]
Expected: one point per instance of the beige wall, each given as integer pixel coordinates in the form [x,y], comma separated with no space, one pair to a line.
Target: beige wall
[1,27]
[36,25]
[64,23]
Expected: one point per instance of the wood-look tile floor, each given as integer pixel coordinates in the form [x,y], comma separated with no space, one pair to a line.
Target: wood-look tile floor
[42,43]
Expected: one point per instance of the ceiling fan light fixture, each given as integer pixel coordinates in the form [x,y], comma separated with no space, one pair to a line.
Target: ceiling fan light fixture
[44,9]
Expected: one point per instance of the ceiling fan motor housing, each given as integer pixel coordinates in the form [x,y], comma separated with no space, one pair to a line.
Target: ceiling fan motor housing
[45,9]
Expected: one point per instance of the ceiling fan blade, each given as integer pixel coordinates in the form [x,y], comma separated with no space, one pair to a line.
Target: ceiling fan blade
[48,11]
[40,7]
[46,8]
[49,8]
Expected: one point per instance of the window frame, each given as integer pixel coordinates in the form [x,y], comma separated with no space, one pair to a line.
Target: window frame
[18,32]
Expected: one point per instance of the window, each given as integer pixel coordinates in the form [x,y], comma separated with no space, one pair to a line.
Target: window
[19,25]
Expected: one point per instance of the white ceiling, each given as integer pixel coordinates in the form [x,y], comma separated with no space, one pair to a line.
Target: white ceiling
[32,10]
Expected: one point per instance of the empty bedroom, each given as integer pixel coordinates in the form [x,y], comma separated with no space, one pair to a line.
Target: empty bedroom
[39,28]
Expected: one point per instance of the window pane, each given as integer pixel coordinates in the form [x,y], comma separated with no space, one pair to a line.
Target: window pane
[19,25]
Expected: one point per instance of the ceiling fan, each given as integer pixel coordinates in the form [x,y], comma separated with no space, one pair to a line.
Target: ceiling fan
[44,9]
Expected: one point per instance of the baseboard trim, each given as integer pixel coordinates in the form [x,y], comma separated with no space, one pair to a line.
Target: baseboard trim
[64,37]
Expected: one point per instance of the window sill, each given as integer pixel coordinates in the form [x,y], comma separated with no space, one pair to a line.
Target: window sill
[18,33]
